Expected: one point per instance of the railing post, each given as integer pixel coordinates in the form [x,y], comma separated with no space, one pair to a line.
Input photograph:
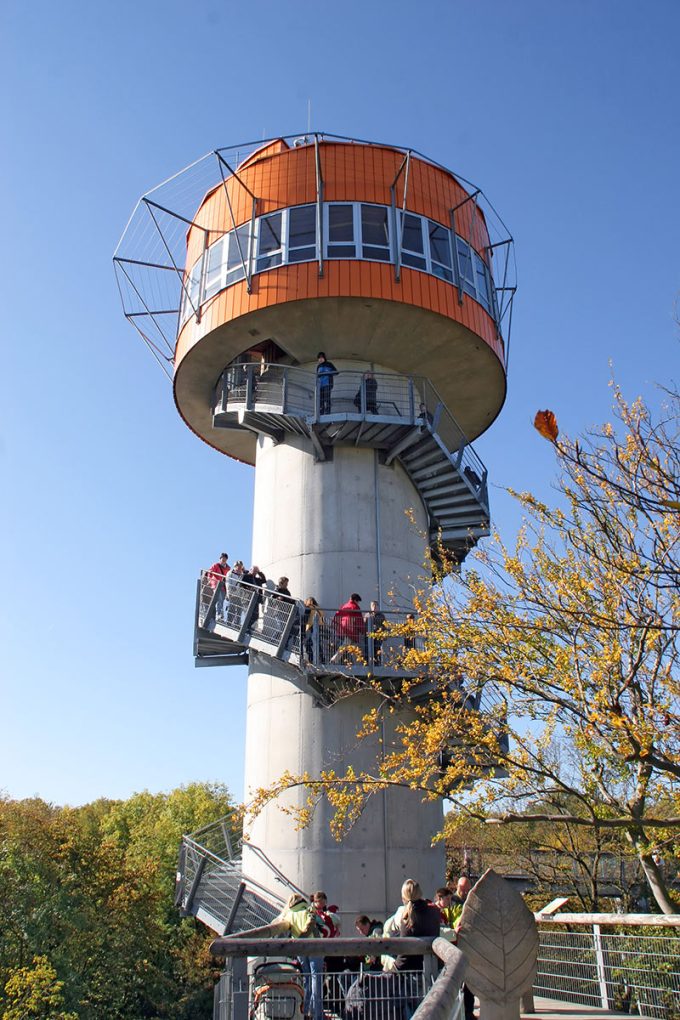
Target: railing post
[249,388]
[286,630]
[234,908]
[316,641]
[411,401]
[251,609]
[188,903]
[459,455]
[227,840]
[284,391]
[599,964]
[239,988]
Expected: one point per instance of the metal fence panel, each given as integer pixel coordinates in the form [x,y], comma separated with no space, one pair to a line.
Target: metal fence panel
[625,971]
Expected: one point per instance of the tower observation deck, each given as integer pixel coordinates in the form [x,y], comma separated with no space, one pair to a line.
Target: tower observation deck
[236,273]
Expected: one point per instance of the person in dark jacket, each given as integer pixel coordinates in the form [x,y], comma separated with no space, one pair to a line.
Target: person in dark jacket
[419,919]
[325,373]
[368,392]
[256,578]
[375,621]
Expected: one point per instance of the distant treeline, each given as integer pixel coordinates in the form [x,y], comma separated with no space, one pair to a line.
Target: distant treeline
[88,929]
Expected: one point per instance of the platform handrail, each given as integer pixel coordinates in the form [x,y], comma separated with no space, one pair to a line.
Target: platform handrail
[442,1001]
[355,395]
[583,959]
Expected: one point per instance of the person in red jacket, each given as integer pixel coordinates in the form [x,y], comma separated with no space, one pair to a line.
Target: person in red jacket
[350,627]
[217,579]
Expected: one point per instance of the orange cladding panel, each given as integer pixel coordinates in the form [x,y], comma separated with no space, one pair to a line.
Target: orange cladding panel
[342,278]
[280,177]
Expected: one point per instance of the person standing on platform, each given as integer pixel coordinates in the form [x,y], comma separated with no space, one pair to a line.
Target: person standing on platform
[235,592]
[375,621]
[325,373]
[303,922]
[350,628]
[329,924]
[442,899]
[217,579]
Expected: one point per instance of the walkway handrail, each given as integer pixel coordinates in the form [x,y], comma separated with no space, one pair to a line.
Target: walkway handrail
[278,622]
[636,971]
[355,395]
[612,920]
[261,942]
[440,1001]
[234,854]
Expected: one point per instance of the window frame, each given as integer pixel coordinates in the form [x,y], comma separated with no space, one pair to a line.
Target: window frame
[356,232]
[196,289]
[389,247]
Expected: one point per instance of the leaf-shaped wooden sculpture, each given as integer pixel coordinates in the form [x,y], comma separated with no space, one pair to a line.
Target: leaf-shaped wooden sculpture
[498,936]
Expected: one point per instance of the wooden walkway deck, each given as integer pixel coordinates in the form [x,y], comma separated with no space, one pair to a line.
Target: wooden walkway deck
[555,1009]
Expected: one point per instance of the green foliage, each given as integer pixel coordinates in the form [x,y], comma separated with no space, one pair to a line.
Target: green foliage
[34,991]
[86,908]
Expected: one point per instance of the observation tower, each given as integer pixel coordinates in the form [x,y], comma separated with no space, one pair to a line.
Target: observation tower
[237,272]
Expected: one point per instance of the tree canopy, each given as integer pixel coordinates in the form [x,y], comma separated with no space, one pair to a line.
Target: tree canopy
[568,640]
[87,922]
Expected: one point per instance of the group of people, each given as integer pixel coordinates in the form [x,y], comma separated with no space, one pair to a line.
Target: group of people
[350,635]
[233,586]
[312,917]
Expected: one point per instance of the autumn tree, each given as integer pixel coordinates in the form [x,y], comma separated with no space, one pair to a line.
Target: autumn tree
[89,891]
[568,641]
[35,992]
[589,865]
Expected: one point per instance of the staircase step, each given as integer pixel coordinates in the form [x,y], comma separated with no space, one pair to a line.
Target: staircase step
[451,500]
[449,485]
[438,472]
[454,534]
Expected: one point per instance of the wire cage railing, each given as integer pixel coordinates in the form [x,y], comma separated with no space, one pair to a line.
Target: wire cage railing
[149,260]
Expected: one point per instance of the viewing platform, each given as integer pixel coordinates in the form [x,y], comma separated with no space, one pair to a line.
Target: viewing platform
[403,417]
[258,619]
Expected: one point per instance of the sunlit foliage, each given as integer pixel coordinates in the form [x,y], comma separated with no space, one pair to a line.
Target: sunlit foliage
[568,641]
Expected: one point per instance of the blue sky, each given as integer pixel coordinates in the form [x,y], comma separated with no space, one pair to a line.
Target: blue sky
[565,113]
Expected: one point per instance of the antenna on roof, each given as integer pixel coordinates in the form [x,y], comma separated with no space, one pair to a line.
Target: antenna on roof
[309,115]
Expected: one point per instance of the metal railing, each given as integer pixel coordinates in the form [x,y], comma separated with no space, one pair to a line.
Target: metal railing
[341,985]
[634,969]
[210,878]
[282,626]
[273,993]
[355,395]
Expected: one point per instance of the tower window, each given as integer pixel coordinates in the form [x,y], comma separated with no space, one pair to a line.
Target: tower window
[375,238]
[352,230]
[269,247]
[302,233]
[440,251]
[412,249]
[341,232]
[239,253]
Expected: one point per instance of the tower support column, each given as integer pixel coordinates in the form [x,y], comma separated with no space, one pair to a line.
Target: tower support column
[335,527]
